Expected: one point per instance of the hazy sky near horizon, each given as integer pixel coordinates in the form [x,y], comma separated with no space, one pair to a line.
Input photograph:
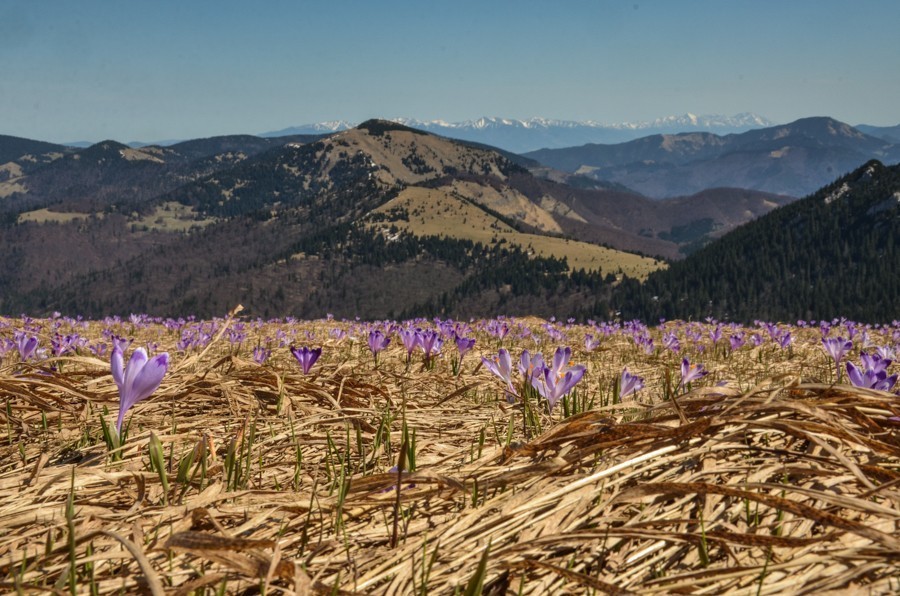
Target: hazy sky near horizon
[88,70]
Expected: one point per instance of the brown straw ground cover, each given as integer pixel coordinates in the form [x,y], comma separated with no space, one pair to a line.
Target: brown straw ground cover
[770,475]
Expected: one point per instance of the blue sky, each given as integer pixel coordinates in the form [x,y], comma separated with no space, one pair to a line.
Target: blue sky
[90,69]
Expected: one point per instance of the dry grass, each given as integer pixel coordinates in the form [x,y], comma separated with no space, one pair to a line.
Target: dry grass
[765,478]
[172,216]
[435,212]
[47,216]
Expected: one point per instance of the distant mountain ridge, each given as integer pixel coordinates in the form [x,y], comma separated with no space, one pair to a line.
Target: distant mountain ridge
[793,159]
[519,136]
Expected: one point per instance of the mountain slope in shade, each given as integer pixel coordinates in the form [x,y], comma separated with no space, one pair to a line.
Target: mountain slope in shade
[834,254]
[793,159]
[110,173]
[12,148]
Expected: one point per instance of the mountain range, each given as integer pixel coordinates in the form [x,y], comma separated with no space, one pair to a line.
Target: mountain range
[310,224]
[793,159]
[520,136]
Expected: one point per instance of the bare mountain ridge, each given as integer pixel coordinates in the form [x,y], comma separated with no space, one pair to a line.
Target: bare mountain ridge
[793,159]
[395,156]
[225,176]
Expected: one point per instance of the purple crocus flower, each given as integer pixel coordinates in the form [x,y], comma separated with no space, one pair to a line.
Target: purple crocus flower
[837,348]
[531,366]
[691,372]
[377,342]
[27,345]
[139,380]
[670,341]
[464,344]
[554,384]
[784,339]
[886,352]
[306,357]
[874,362]
[260,354]
[410,339]
[431,344]
[629,384]
[736,341]
[561,358]
[873,375]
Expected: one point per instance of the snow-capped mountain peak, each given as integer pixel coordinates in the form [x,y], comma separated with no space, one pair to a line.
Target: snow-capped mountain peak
[522,135]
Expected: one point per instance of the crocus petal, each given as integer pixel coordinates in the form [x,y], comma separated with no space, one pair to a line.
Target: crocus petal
[149,377]
[855,376]
[117,365]
[135,364]
[525,363]
[141,378]
[560,359]
[504,360]
[887,383]
[573,376]
[629,384]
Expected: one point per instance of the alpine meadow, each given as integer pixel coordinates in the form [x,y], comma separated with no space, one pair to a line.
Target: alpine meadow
[480,307]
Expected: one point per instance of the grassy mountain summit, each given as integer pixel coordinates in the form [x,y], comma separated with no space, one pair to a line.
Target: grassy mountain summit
[835,253]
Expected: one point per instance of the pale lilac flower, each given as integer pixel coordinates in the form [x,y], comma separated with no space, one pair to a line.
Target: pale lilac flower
[26,344]
[886,353]
[431,343]
[670,341]
[836,347]
[306,357]
[5,346]
[498,329]
[629,383]
[464,344]
[377,342]
[531,366]
[260,354]
[554,386]
[410,339]
[139,380]
[783,339]
[501,365]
